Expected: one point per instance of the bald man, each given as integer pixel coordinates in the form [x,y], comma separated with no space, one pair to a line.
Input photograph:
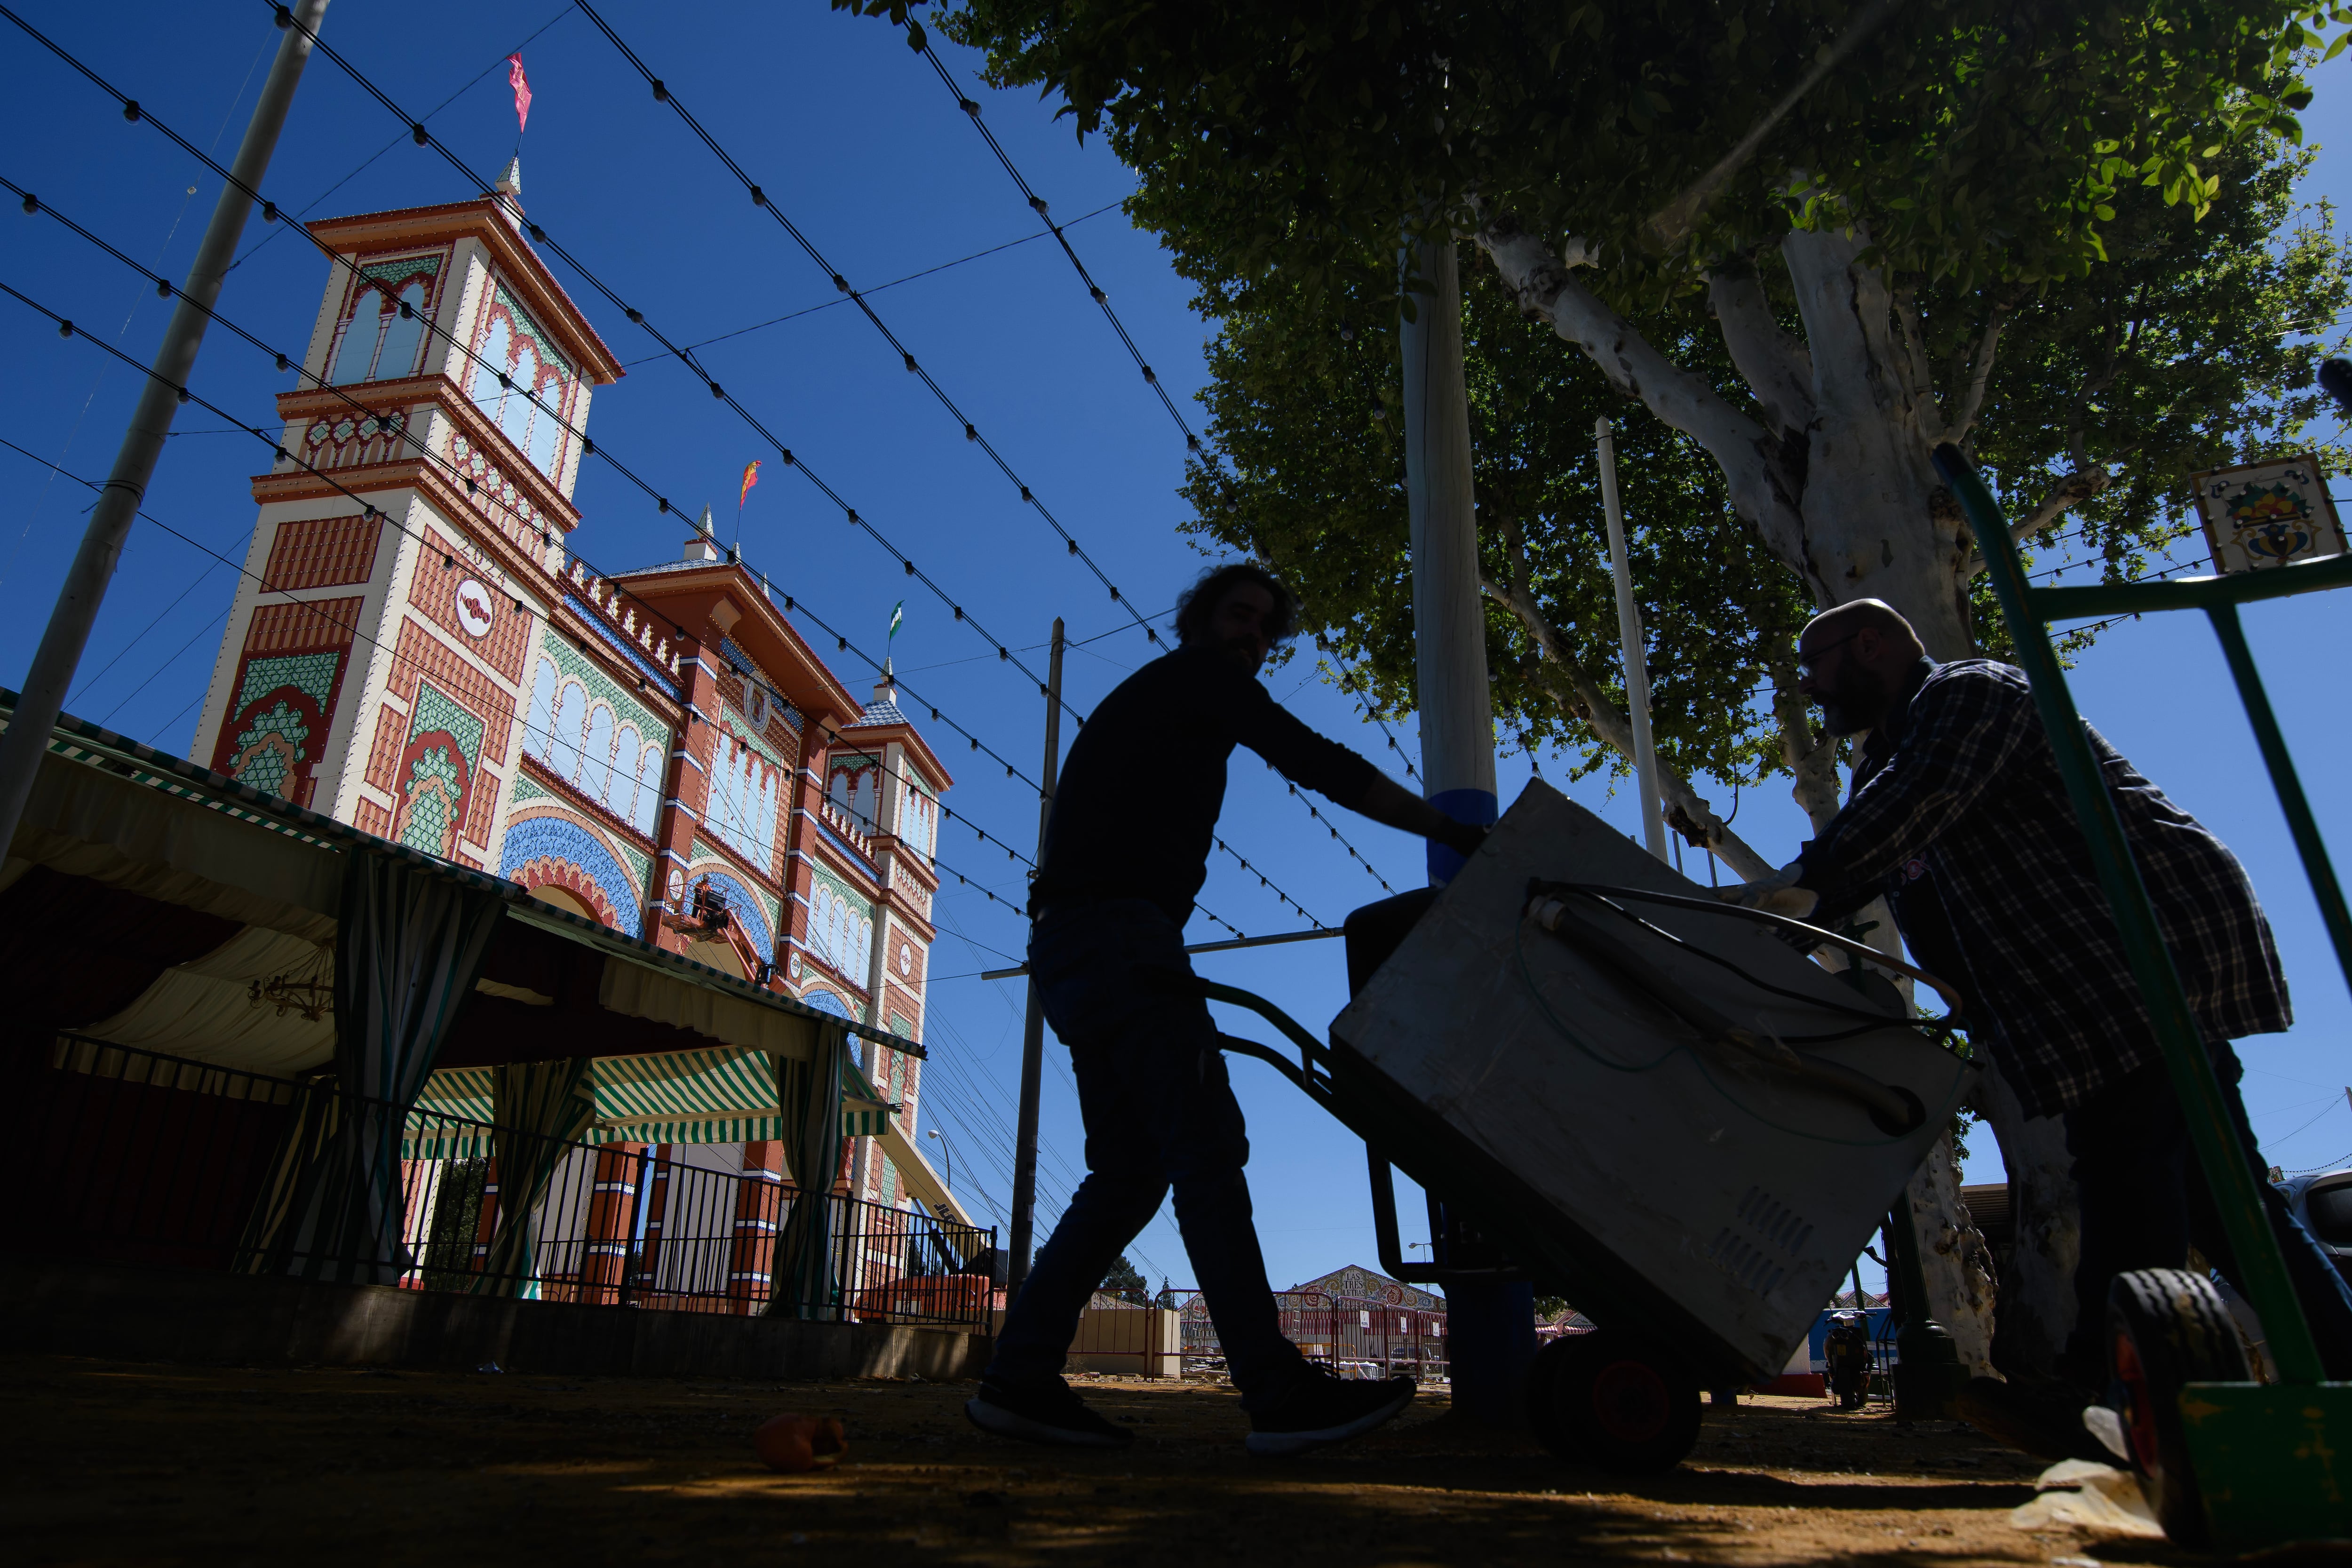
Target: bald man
[1957,814]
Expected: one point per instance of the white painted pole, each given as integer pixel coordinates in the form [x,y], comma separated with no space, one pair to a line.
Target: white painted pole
[1491,1322]
[1629,633]
[1457,722]
[44,695]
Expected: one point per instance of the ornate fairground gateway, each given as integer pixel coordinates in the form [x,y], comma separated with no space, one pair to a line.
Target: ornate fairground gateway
[656,767]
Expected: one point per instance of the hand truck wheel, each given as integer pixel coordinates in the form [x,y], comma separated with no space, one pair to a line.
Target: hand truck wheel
[1616,1400]
[2165,1328]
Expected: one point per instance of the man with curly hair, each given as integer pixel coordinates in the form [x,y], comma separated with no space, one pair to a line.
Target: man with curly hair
[1127,850]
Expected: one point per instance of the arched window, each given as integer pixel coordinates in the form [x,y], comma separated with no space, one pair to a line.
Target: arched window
[360,335]
[597,763]
[490,361]
[619,793]
[530,406]
[402,333]
[539,733]
[515,417]
[571,725]
[649,782]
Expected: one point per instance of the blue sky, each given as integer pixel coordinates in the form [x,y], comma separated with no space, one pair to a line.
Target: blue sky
[853,140]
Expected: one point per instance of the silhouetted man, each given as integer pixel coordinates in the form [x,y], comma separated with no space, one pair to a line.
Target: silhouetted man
[1127,850]
[1958,812]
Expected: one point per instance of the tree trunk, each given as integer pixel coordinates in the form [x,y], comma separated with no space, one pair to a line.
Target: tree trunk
[1830,464]
[1954,1257]
[2037,1291]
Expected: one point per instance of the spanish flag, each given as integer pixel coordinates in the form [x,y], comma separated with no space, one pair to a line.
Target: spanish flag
[751,477]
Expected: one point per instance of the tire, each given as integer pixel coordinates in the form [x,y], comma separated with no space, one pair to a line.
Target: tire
[2165,1328]
[1615,1401]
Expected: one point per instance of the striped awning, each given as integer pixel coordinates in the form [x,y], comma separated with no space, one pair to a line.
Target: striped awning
[723,1095]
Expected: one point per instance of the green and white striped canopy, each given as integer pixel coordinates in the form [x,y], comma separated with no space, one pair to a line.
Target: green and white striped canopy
[726,1094]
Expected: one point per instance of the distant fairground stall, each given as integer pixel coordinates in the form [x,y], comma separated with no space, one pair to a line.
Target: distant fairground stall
[252,1040]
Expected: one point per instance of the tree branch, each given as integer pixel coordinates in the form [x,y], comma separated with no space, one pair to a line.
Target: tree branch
[1776,367]
[1957,426]
[1584,699]
[1748,455]
[2069,493]
[1811,756]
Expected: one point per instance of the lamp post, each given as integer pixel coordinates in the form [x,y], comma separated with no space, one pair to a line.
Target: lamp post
[947,1150]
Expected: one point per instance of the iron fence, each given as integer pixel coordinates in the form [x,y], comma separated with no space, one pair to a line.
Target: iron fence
[144,1158]
[1358,1338]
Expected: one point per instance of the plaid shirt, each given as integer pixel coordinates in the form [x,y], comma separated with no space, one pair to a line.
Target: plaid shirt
[1965,817]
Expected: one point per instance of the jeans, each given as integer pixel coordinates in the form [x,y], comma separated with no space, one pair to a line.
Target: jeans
[2146,1203]
[1159,1113]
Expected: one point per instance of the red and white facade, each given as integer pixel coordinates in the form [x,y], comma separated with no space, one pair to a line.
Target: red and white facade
[640,749]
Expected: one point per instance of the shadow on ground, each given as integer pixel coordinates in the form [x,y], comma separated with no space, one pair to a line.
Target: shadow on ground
[116,1462]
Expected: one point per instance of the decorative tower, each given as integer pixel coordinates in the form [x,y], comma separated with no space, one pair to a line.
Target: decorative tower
[374,663]
[659,749]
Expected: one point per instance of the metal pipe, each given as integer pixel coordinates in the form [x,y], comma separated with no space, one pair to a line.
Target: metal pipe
[2300,822]
[1032,1025]
[1629,636]
[44,695]
[2236,1194]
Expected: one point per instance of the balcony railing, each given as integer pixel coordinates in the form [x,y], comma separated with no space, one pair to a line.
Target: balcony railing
[139,1158]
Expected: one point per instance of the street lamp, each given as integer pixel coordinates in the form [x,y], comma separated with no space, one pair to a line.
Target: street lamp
[947,1150]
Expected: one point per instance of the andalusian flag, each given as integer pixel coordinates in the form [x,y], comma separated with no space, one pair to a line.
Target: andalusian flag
[751,477]
[898,613]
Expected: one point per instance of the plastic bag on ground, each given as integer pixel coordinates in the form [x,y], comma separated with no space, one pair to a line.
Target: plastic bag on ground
[2108,1500]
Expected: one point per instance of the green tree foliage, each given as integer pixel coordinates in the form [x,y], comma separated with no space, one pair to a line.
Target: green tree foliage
[2192,348]
[1976,137]
[1126,1282]
[1310,476]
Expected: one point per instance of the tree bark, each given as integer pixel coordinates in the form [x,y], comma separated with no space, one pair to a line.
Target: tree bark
[2036,1308]
[1954,1257]
[1831,467]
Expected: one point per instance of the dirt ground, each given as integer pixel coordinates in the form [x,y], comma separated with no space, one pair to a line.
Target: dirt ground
[110,1462]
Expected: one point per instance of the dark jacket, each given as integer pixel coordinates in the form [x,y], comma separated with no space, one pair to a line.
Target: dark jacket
[1135,810]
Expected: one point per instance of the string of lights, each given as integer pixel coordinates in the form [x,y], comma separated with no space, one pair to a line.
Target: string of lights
[165,286]
[920,43]
[426,139]
[760,198]
[317,611]
[972,432]
[422,137]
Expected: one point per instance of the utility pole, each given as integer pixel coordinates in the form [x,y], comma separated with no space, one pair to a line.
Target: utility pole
[1490,1322]
[1033,1027]
[1629,636]
[44,694]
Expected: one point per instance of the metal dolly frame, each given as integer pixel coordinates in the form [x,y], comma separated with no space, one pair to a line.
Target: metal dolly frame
[2228,1461]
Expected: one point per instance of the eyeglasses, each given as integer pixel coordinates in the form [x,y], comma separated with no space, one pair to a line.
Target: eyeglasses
[1807,663]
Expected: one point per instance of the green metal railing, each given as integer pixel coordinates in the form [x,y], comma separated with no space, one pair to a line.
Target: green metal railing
[2028,612]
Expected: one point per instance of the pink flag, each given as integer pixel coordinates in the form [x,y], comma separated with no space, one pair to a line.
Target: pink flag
[521,85]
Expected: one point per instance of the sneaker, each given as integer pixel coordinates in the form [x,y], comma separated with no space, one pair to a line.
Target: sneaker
[1047,1411]
[2044,1419]
[1323,1408]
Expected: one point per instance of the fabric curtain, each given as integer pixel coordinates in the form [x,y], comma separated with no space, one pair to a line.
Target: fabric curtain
[409,946]
[536,1110]
[809,1095]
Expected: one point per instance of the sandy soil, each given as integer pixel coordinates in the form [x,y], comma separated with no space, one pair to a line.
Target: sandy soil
[107,1462]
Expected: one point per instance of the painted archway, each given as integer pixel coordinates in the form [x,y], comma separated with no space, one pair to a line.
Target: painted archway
[556,850]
